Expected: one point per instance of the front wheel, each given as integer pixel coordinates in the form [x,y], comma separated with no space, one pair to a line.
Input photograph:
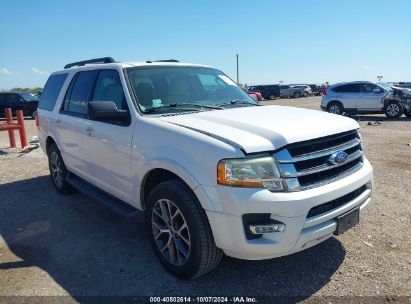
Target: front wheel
[393,109]
[179,231]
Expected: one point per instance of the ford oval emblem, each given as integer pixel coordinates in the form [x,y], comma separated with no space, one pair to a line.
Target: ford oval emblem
[338,158]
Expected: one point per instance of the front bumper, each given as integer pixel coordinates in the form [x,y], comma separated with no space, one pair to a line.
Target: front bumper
[230,203]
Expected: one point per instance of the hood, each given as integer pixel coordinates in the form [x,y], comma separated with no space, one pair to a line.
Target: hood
[265,128]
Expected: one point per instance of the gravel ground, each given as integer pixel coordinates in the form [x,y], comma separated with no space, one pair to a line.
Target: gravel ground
[53,245]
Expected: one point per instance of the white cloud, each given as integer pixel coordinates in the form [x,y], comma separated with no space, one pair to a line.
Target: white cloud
[37,71]
[5,71]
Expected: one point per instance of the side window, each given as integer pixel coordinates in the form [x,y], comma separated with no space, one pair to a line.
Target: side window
[348,88]
[367,87]
[2,99]
[13,98]
[51,91]
[108,88]
[78,94]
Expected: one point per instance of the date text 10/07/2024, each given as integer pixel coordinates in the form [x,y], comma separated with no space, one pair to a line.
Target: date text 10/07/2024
[237,299]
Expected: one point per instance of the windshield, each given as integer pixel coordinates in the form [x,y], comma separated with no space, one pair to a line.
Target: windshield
[162,89]
[384,85]
[28,97]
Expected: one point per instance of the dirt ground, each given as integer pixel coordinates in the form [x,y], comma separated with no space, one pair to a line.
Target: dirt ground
[53,245]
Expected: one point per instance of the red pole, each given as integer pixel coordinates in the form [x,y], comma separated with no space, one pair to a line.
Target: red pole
[9,119]
[22,129]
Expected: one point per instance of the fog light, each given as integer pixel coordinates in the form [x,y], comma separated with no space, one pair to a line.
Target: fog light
[267,228]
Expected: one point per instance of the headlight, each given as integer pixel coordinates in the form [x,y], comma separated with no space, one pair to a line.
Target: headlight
[261,172]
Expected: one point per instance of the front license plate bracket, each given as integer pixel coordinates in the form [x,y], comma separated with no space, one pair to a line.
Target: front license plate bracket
[347,220]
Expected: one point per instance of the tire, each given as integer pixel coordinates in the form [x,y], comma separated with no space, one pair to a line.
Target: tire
[271,97]
[408,114]
[58,171]
[393,109]
[335,107]
[297,95]
[197,253]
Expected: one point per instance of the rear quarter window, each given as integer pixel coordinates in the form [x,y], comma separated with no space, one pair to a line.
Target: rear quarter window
[51,91]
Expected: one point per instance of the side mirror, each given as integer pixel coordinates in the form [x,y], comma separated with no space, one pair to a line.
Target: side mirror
[106,110]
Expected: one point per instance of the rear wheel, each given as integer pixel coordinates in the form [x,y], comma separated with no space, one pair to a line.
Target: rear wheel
[297,95]
[271,97]
[335,107]
[58,171]
[393,109]
[179,231]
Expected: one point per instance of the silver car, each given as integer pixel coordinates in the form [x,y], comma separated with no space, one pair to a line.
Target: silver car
[354,97]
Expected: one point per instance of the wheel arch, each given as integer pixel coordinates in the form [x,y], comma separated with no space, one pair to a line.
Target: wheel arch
[335,101]
[157,175]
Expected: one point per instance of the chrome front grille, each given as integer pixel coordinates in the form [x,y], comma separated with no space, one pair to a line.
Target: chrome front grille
[306,165]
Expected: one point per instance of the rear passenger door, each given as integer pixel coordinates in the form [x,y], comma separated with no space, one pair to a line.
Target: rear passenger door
[348,94]
[107,147]
[72,123]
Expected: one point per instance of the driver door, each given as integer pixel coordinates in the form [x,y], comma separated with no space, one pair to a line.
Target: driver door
[108,143]
[370,97]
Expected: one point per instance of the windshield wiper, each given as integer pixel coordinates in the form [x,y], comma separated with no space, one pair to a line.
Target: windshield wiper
[197,105]
[237,101]
[187,105]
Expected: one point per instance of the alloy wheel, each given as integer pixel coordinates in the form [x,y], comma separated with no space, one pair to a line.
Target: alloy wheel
[171,232]
[335,109]
[56,170]
[393,109]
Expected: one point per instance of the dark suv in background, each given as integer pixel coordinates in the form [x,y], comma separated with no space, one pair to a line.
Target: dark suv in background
[270,92]
[18,101]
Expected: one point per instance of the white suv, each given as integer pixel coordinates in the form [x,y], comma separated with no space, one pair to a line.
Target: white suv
[212,171]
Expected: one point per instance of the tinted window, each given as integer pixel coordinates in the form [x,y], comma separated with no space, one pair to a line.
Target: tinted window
[28,97]
[368,87]
[108,88]
[273,87]
[51,91]
[13,99]
[79,93]
[347,88]
[2,99]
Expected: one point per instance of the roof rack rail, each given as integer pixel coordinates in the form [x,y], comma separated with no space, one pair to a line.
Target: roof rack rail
[164,60]
[95,60]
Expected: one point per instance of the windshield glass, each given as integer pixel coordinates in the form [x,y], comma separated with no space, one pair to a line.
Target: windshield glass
[385,85]
[28,97]
[175,89]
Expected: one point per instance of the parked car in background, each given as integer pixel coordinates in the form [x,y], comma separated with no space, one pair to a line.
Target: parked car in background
[315,89]
[288,91]
[270,92]
[402,84]
[255,95]
[361,97]
[18,101]
[306,88]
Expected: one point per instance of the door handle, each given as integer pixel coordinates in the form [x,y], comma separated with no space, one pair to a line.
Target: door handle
[90,131]
[58,122]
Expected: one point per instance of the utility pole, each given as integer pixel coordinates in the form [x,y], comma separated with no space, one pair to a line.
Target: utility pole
[238,75]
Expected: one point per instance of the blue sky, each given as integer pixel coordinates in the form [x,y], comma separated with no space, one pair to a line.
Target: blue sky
[293,41]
